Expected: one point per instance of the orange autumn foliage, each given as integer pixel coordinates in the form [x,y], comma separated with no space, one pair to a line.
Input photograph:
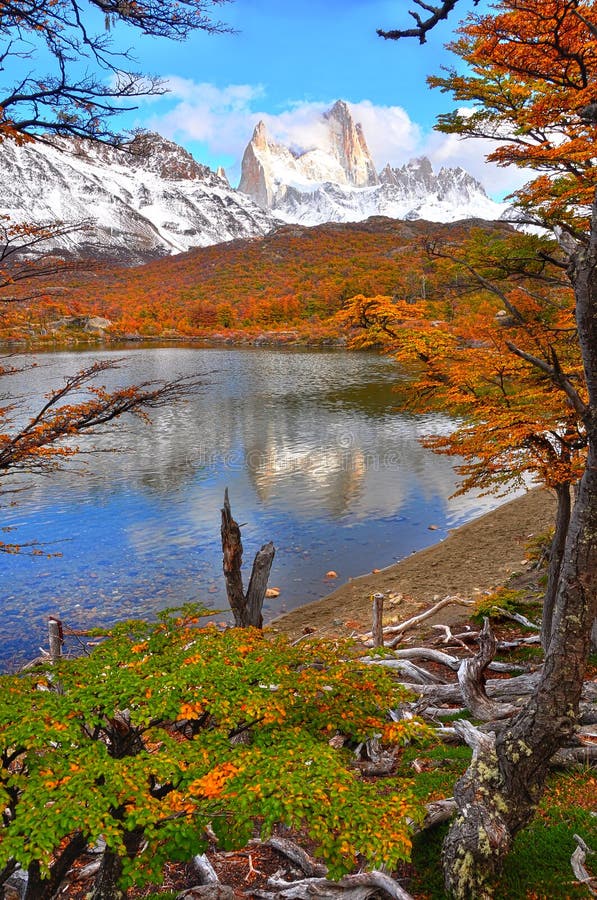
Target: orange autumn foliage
[472,351]
[295,278]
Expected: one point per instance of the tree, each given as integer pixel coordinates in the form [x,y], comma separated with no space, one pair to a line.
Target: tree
[500,311]
[169,728]
[531,69]
[89,79]
[433,16]
[20,258]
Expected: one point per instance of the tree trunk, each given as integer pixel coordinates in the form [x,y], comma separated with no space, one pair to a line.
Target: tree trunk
[499,793]
[39,888]
[556,554]
[106,884]
[246,608]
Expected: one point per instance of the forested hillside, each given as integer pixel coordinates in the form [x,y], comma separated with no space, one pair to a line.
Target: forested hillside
[296,277]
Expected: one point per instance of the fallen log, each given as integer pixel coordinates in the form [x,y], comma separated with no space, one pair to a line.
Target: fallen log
[351,887]
[517,617]
[585,755]
[406,668]
[296,854]
[516,688]
[205,871]
[440,657]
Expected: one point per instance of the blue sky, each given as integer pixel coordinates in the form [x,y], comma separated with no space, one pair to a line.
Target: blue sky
[287,63]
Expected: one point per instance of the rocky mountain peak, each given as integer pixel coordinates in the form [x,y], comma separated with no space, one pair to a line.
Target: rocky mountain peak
[221,173]
[166,159]
[260,136]
[270,171]
[349,146]
[340,110]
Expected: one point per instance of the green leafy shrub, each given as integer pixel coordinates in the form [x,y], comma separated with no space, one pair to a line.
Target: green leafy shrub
[493,605]
[169,727]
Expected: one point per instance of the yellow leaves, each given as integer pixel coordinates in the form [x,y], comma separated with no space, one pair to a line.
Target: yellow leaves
[211,786]
[56,726]
[178,802]
[190,710]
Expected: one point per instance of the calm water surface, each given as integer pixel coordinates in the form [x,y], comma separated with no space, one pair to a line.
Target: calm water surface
[310,444]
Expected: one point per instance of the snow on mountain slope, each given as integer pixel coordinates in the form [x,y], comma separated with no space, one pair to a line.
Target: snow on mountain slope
[153,199]
[149,201]
[338,182]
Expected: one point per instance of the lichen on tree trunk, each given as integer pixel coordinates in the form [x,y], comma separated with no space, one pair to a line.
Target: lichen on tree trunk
[499,793]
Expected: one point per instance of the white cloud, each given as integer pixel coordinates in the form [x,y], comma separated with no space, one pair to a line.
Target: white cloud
[203,112]
[392,136]
[224,118]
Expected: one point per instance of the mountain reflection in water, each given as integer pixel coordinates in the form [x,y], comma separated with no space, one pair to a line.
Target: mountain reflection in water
[309,443]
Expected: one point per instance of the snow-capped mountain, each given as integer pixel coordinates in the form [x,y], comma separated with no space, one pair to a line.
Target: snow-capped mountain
[337,181]
[150,200]
[154,199]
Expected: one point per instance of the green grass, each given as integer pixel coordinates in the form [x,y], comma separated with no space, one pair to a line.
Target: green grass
[538,866]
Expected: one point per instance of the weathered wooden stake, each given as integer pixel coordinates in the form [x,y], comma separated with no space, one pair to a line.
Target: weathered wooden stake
[56,638]
[377,620]
[246,608]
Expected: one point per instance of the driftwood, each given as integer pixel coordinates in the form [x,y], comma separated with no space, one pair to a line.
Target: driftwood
[585,755]
[307,864]
[517,617]
[471,677]
[246,608]
[207,892]
[396,631]
[351,887]
[516,688]
[439,656]
[577,861]
[408,669]
[435,699]
[205,871]
[458,639]
[460,732]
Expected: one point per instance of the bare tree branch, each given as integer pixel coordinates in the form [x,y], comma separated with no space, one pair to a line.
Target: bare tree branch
[435,14]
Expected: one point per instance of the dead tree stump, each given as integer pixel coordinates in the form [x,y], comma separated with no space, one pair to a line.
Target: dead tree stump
[246,608]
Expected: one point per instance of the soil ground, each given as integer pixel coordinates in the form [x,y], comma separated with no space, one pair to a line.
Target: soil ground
[473,559]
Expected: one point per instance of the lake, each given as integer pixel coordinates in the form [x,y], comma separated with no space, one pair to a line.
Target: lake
[310,444]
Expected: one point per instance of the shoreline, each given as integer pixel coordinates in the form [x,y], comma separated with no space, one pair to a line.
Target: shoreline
[277,340]
[473,558]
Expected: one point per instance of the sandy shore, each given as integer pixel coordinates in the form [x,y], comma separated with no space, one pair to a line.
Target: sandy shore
[473,558]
